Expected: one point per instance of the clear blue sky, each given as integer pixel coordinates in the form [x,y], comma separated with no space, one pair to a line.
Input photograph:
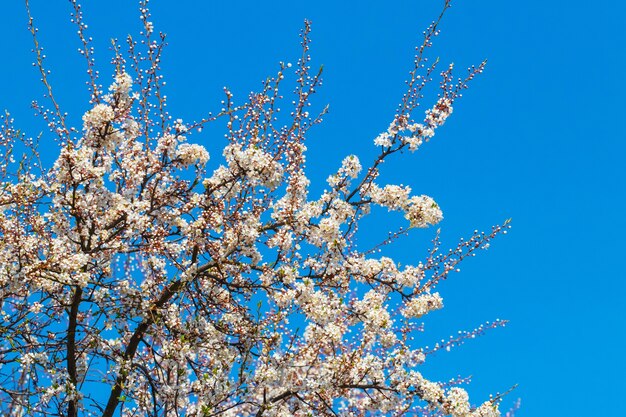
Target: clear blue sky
[539,138]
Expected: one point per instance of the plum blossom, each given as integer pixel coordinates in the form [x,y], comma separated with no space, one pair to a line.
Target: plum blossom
[423,304]
[258,166]
[137,268]
[422,211]
[437,116]
[190,154]
[486,409]
[98,117]
[457,402]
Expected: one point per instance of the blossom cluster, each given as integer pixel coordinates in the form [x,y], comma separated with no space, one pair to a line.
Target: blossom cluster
[420,211]
[142,278]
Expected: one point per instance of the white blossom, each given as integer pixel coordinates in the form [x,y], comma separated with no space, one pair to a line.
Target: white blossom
[190,154]
[136,269]
[422,211]
[98,117]
[422,305]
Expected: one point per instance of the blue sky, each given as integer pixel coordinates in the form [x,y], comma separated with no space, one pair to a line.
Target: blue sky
[538,138]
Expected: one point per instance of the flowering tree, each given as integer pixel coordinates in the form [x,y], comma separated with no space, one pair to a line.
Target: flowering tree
[138,279]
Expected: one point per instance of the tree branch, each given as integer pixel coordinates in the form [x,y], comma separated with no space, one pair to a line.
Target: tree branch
[72,410]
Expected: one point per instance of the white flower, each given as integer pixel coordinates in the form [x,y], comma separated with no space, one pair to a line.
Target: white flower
[431,391]
[97,117]
[35,307]
[122,85]
[458,402]
[439,113]
[394,197]
[487,409]
[422,211]
[424,304]
[350,166]
[384,139]
[189,154]
[258,165]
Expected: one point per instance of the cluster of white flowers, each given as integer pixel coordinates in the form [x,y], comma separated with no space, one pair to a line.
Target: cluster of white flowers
[350,168]
[437,116]
[362,267]
[122,85]
[384,139]
[422,305]
[98,117]
[457,402]
[189,154]
[115,108]
[423,211]
[454,402]
[320,307]
[376,318]
[167,143]
[420,134]
[293,207]
[30,358]
[184,284]
[486,409]
[328,231]
[420,211]
[258,166]
[394,197]
[430,392]
[414,134]
[410,276]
